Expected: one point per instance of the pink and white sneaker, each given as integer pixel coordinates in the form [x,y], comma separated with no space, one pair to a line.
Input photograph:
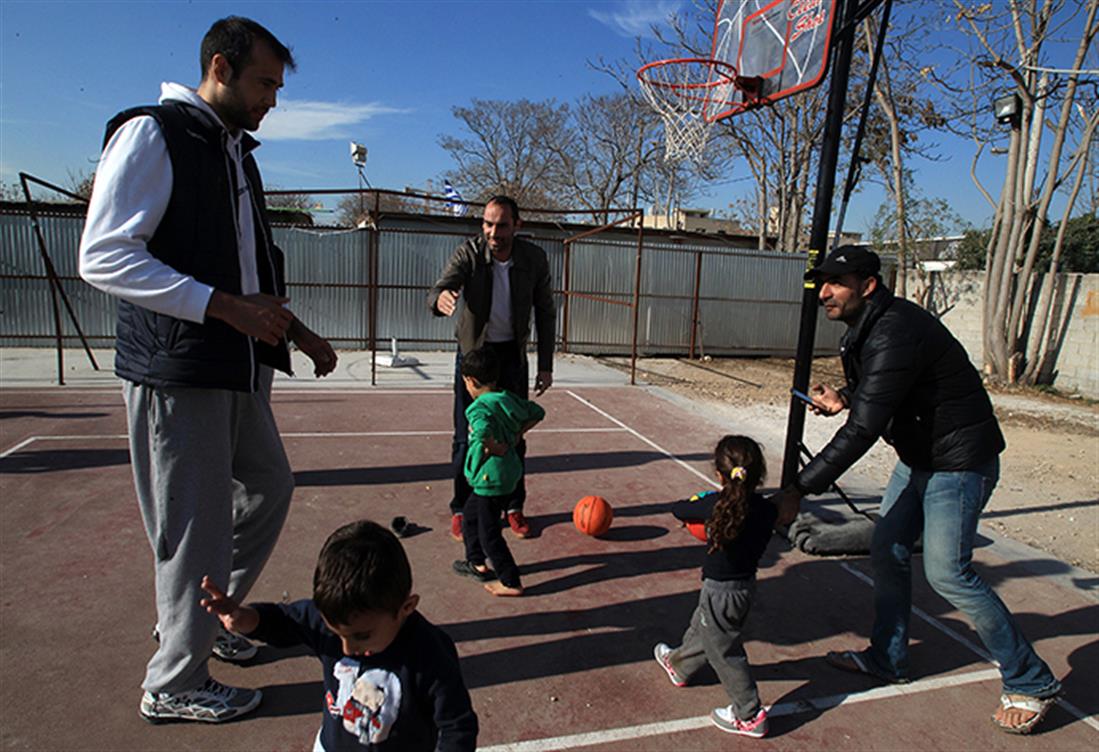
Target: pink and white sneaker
[661,653]
[726,720]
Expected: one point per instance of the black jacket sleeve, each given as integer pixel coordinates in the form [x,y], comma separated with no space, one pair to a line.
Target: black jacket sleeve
[454,277]
[695,509]
[545,316]
[890,365]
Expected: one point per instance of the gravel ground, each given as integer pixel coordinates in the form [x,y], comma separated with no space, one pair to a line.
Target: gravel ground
[1048,495]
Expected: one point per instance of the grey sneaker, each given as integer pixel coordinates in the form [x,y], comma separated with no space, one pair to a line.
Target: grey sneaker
[232,647]
[661,652]
[213,702]
[726,720]
[227,646]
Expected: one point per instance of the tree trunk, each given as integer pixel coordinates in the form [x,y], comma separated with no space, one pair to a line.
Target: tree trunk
[1052,179]
[883,92]
[1036,361]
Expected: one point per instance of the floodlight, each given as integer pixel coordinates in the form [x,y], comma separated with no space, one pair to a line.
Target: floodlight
[1007,108]
[358,154]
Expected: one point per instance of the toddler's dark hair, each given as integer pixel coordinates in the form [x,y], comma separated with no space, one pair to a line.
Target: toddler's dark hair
[481,365]
[739,461]
[361,567]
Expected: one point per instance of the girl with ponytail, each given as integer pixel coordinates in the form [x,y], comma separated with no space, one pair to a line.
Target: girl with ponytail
[738,525]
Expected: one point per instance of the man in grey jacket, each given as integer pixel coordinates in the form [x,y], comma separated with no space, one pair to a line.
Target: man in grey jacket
[910,382]
[501,278]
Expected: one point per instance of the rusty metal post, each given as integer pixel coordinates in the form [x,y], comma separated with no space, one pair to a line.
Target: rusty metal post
[51,278]
[374,246]
[565,313]
[56,291]
[694,302]
[636,299]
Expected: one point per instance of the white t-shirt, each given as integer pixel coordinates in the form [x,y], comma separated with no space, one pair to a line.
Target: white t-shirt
[499,327]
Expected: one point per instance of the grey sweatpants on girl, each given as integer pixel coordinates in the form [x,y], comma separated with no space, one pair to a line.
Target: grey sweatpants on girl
[715,636]
[214,487]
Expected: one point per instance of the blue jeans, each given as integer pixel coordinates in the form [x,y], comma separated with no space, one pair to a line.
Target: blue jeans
[944,506]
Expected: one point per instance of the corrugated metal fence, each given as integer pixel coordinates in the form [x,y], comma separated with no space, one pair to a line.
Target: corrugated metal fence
[701,298]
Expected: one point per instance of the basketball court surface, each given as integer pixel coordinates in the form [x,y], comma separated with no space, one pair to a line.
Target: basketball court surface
[570,665]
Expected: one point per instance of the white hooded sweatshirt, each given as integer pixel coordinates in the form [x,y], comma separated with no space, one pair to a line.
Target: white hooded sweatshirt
[133,185]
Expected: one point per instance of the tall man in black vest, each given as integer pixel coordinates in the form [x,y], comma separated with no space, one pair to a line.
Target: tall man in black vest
[502,278]
[176,229]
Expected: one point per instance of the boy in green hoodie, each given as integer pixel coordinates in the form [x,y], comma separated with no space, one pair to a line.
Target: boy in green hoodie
[497,420]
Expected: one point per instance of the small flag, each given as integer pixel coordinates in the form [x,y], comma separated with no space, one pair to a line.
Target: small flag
[458,210]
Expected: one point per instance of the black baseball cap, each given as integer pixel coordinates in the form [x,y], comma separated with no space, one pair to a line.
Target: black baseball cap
[847,259]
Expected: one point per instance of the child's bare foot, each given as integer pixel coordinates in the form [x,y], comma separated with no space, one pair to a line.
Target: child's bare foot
[498,588]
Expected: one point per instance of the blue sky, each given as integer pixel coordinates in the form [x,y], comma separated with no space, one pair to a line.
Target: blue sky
[383,73]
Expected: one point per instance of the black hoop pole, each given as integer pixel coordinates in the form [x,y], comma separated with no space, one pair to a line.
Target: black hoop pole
[818,236]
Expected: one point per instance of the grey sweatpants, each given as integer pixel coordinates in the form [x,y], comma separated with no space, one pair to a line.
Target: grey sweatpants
[715,635]
[214,487]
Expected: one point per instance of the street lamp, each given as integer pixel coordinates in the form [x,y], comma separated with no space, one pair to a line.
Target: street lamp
[358,155]
[1008,109]
[358,158]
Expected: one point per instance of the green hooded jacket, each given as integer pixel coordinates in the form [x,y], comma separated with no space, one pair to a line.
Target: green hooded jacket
[500,415]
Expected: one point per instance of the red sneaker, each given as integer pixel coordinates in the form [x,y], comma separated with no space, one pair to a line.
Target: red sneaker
[456,526]
[519,524]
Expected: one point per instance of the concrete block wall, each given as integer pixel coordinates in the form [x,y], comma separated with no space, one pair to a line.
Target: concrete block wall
[957,296]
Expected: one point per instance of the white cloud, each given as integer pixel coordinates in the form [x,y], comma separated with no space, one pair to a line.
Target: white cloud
[304,120]
[636,17]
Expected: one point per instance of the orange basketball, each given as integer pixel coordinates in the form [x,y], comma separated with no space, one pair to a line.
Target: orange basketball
[592,515]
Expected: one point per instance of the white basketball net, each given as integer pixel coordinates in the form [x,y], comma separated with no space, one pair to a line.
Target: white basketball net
[686,93]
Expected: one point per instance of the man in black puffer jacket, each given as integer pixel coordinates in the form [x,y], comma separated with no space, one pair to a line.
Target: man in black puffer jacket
[910,382]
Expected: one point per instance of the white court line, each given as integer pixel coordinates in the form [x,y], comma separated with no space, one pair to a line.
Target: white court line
[300,435]
[783,708]
[362,390]
[17,447]
[648,441]
[61,437]
[366,389]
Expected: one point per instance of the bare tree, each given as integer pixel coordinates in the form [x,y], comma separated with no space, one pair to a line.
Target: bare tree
[1039,358]
[904,110]
[780,145]
[295,201]
[362,208]
[81,183]
[1010,43]
[601,163]
[925,219]
[512,148]
[655,181]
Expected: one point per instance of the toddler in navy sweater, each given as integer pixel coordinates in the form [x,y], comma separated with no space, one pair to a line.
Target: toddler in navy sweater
[391,678]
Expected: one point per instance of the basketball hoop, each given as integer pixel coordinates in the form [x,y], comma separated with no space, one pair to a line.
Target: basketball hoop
[687,93]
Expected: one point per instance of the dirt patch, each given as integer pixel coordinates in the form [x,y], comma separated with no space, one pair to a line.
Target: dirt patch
[1048,495]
